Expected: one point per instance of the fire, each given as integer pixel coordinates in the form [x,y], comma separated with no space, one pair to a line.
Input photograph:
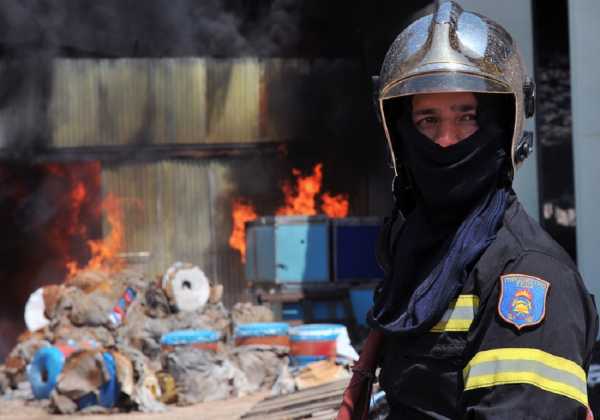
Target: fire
[299,201]
[302,202]
[78,197]
[104,252]
[335,206]
[242,213]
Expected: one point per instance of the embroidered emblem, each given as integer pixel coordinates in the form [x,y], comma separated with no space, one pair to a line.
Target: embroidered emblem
[522,299]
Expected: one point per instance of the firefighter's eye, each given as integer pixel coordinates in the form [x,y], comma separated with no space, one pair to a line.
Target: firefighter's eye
[426,122]
[468,117]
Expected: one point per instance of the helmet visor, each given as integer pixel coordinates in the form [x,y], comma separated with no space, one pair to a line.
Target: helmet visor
[443,82]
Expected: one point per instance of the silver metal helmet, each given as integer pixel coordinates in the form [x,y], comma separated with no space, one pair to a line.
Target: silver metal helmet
[453,50]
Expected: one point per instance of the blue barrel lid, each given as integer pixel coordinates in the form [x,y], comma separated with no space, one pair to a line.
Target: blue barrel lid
[189,337]
[261,329]
[309,332]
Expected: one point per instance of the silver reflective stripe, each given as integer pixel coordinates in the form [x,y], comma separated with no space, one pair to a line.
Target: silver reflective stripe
[459,316]
[502,366]
[522,365]
[466,314]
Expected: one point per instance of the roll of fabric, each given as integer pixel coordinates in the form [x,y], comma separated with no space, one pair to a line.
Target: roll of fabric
[200,339]
[44,369]
[262,333]
[186,286]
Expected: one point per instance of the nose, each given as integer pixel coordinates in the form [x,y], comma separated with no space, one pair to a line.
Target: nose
[447,134]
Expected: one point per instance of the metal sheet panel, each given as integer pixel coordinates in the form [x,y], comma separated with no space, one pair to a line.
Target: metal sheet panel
[166,212]
[185,213]
[233,98]
[137,187]
[279,107]
[128,101]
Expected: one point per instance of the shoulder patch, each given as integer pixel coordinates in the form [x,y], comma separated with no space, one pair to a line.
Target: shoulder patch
[522,300]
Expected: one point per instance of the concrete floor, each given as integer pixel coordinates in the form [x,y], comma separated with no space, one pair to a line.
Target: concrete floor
[230,409]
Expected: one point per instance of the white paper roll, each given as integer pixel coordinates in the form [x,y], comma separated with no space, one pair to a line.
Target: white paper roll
[187,286]
[34,311]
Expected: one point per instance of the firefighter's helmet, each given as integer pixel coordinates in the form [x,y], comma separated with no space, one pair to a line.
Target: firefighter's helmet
[454,50]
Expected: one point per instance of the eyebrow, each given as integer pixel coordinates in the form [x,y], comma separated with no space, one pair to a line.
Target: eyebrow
[455,108]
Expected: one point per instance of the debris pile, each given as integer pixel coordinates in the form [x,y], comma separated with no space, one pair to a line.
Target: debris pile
[121,341]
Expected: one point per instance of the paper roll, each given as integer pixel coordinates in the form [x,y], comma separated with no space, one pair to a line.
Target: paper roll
[186,286]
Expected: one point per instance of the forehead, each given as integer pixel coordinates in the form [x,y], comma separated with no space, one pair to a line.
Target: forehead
[446,100]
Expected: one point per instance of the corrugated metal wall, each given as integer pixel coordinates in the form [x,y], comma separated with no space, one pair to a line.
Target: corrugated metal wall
[167,211]
[155,101]
[115,102]
[180,210]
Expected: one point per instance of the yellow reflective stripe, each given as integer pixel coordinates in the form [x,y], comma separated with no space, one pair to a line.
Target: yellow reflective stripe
[517,353]
[459,316]
[527,378]
[453,325]
[530,366]
[467,301]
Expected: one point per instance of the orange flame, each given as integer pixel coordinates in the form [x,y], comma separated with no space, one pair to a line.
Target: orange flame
[335,206]
[78,196]
[104,251]
[242,213]
[302,202]
[299,201]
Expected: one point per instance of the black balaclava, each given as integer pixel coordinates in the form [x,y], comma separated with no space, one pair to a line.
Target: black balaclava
[449,182]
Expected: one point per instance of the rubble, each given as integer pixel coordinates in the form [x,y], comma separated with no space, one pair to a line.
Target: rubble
[246,313]
[262,365]
[204,376]
[20,357]
[83,374]
[107,332]
[319,373]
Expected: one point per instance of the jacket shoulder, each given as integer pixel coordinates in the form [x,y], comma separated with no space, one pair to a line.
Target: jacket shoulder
[522,246]
[529,237]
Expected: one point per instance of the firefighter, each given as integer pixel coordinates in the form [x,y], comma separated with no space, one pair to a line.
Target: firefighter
[481,315]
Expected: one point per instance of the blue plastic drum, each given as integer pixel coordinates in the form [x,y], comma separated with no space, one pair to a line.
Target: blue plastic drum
[262,333]
[201,339]
[314,342]
[44,369]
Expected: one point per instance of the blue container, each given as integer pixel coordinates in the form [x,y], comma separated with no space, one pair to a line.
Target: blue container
[313,342]
[185,337]
[288,249]
[354,244]
[261,329]
[362,300]
[109,392]
[44,369]
[320,311]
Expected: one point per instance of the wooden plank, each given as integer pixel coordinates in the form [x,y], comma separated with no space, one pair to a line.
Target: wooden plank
[317,390]
[301,403]
[266,408]
[304,411]
[324,415]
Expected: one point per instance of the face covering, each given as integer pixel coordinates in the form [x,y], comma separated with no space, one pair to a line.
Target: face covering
[449,181]
[459,208]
